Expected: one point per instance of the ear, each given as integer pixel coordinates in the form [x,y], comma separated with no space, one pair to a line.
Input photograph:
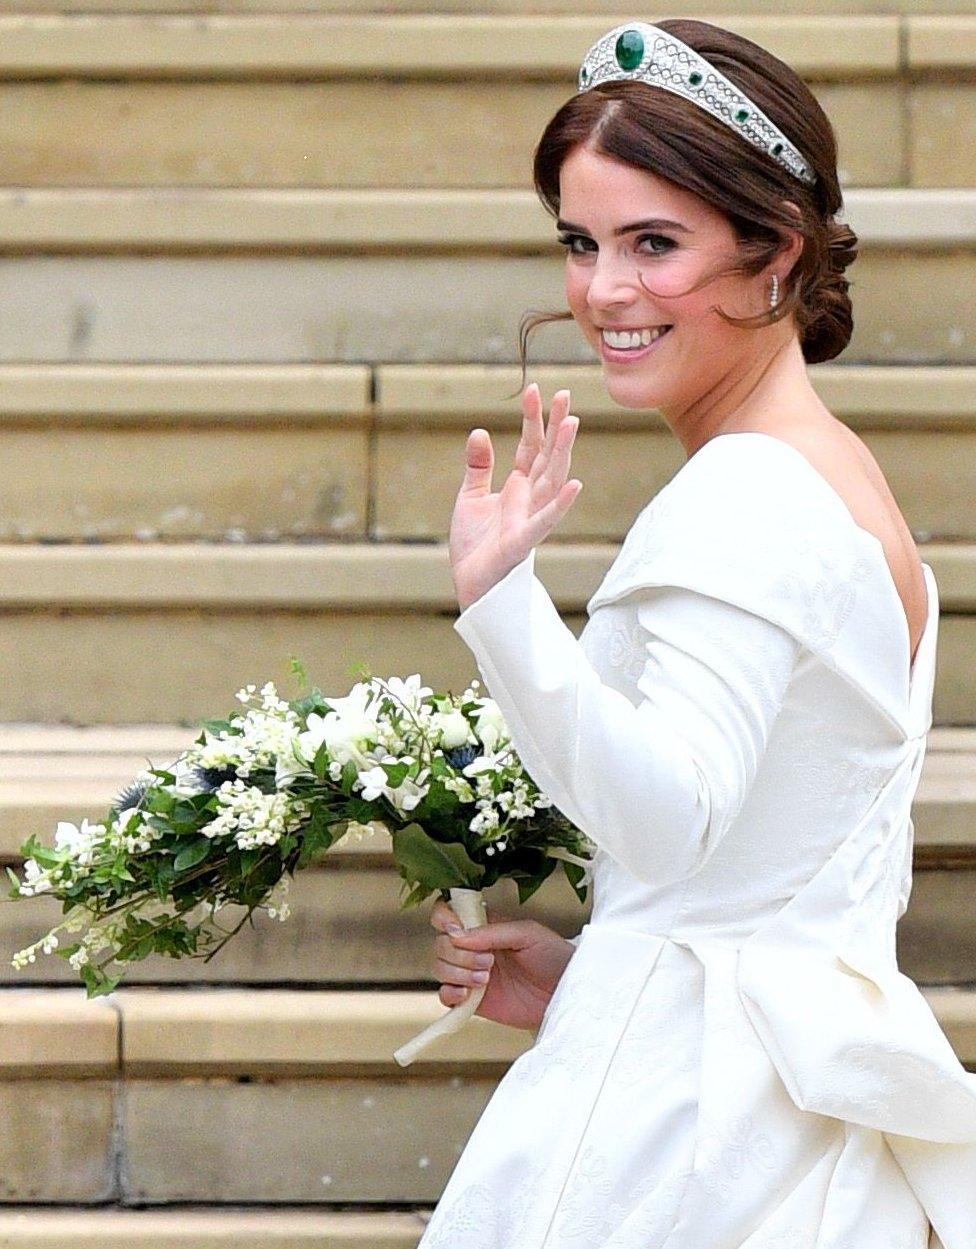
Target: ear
[792,245]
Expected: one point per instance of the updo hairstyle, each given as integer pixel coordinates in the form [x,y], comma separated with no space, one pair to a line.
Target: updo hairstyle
[654,129]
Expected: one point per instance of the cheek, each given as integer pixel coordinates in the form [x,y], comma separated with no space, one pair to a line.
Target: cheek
[577,284]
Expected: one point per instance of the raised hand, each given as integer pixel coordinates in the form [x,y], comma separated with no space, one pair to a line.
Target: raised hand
[491,533]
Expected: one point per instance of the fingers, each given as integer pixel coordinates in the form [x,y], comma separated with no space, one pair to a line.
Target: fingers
[478,462]
[533,431]
[557,414]
[548,517]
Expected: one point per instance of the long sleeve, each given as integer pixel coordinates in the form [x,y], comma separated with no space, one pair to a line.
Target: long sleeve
[655,785]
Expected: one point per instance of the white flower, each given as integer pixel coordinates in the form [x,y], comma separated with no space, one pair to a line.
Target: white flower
[490,724]
[347,732]
[374,782]
[37,880]
[409,692]
[410,792]
[291,764]
[359,832]
[483,763]
[453,727]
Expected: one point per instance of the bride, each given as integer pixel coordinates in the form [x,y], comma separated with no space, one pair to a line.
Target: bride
[727,1055]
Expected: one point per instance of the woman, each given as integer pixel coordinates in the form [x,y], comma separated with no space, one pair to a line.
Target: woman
[728,1056]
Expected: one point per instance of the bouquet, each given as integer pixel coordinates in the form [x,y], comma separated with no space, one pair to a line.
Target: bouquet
[277,784]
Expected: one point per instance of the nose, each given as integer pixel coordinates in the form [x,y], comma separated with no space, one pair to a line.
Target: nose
[613,284]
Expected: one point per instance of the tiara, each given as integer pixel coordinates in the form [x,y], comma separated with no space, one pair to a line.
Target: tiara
[638,50]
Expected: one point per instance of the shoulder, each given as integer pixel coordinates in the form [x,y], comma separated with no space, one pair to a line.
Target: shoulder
[747,520]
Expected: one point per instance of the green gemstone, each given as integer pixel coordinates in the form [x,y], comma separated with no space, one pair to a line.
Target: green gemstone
[777,148]
[742,114]
[630,49]
[584,75]
[694,78]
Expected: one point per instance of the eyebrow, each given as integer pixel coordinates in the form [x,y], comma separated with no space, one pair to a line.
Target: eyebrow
[651,223]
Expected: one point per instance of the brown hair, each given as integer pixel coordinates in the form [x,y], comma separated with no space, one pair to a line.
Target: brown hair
[654,129]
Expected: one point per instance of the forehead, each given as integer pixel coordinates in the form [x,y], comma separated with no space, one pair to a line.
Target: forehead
[599,185]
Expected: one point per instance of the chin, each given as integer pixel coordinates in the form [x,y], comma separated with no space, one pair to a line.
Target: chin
[630,391]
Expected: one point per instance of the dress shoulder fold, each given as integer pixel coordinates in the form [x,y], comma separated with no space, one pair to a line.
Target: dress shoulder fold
[745,521]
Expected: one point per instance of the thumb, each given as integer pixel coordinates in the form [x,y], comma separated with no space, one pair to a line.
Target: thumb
[478,463]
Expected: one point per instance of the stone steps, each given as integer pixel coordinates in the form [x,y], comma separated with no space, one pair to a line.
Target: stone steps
[254,1097]
[727,9]
[345,915]
[134,633]
[370,219]
[27,1227]
[331,451]
[458,45]
[912,308]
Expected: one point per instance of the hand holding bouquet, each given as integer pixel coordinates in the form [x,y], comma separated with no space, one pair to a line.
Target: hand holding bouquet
[263,792]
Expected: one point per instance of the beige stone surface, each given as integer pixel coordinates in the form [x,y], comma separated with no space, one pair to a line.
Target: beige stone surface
[932,474]
[313,394]
[418,475]
[863,396]
[280,1032]
[281,1228]
[45,1032]
[937,936]
[297,1140]
[945,42]
[284,576]
[393,45]
[355,133]
[942,134]
[910,308]
[955,688]
[146,483]
[729,9]
[56,1141]
[98,667]
[322,219]
[88,663]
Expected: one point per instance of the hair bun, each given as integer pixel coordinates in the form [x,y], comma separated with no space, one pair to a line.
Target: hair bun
[830,318]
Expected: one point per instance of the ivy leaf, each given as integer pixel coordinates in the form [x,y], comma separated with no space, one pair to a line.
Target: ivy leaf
[434,864]
[192,854]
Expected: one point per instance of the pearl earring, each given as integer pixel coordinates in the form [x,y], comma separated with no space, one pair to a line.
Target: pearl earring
[774,292]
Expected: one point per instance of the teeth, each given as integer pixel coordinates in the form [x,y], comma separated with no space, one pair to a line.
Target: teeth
[632,338]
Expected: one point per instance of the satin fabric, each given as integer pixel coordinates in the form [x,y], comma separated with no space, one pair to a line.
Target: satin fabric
[732,1059]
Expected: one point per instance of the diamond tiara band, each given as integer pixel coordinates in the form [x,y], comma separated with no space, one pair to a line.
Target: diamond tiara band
[640,51]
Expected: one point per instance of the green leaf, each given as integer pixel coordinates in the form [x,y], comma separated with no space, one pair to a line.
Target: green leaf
[97,982]
[319,834]
[192,854]
[349,773]
[434,864]
[14,879]
[298,671]
[320,764]
[414,898]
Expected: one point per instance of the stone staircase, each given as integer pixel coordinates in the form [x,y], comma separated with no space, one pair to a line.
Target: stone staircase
[261,268]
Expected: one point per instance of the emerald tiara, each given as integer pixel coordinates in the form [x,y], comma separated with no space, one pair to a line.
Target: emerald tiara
[638,50]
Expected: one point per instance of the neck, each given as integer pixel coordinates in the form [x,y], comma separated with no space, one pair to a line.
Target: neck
[769,392]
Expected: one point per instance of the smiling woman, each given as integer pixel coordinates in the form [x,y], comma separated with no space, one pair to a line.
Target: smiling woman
[730,1058]
[649,128]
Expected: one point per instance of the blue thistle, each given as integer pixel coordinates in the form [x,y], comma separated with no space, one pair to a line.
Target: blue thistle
[213,778]
[460,756]
[133,794]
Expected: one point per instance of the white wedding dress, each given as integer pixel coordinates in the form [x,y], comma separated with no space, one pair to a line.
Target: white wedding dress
[732,1059]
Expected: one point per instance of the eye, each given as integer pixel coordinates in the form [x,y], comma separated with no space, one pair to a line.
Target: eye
[662,243]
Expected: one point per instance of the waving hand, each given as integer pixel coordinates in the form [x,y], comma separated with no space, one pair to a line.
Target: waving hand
[491,533]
